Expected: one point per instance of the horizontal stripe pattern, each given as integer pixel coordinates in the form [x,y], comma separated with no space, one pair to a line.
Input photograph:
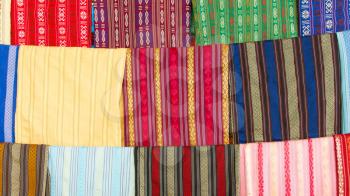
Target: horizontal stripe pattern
[285,89]
[23,169]
[142,23]
[177,96]
[320,17]
[8,81]
[91,171]
[70,96]
[303,167]
[238,21]
[344,50]
[209,170]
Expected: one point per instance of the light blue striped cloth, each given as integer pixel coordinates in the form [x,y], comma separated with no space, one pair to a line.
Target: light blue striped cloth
[344,50]
[87,171]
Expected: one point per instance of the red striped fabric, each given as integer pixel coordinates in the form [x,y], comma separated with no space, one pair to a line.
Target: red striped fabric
[51,23]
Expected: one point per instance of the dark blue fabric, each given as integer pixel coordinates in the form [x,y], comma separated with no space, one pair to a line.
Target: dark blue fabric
[310,85]
[272,84]
[239,103]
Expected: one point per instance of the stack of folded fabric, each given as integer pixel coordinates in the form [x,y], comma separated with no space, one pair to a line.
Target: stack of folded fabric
[165,97]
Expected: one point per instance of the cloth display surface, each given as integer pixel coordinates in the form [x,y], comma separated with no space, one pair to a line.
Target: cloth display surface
[237,21]
[326,16]
[142,23]
[8,79]
[177,96]
[285,89]
[209,170]
[70,96]
[91,171]
[302,167]
[51,22]
[23,170]
[344,50]
[5,21]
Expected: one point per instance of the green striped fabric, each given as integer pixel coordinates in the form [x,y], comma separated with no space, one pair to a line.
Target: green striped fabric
[237,21]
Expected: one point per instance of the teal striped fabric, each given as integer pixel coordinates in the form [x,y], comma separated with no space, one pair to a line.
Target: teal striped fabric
[82,171]
[344,50]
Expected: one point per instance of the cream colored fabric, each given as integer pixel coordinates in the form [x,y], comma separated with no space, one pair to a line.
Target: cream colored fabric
[5,21]
[70,96]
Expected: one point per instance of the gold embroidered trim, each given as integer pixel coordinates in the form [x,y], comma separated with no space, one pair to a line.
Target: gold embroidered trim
[339,167]
[130,98]
[190,96]
[225,93]
[158,97]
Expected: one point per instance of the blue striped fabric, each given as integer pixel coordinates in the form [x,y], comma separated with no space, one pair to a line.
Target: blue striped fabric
[344,50]
[83,171]
[8,74]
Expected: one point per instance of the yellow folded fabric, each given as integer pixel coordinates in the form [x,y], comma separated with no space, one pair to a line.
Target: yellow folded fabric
[70,96]
[5,21]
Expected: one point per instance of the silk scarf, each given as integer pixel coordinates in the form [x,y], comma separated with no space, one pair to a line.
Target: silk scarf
[302,167]
[177,96]
[70,96]
[209,170]
[326,16]
[91,171]
[23,170]
[285,89]
[344,50]
[8,78]
[51,22]
[142,23]
[342,149]
[237,21]
[5,21]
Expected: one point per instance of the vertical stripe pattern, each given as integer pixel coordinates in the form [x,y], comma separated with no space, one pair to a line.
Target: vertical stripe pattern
[142,23]
[303,167]
[8,81]
[91,171]
[51,23]
[209,170]
[286,89]
[177,96]
[239,21]
[23,169]
[70,96]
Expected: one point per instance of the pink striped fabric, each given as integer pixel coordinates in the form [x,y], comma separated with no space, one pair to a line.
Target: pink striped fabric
[302,167]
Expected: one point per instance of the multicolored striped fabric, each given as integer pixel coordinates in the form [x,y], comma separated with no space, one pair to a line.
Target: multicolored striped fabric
[302,167]
[142,23]
[8,78]
[237,21]
[23,170]
[177,96]
[51,22]
[286,89]
[342,149]
[5,21]
[91,171]
[323,16]
[207,170]
[344,50]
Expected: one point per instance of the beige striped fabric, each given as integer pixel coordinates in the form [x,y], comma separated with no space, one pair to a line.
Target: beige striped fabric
[70,96]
